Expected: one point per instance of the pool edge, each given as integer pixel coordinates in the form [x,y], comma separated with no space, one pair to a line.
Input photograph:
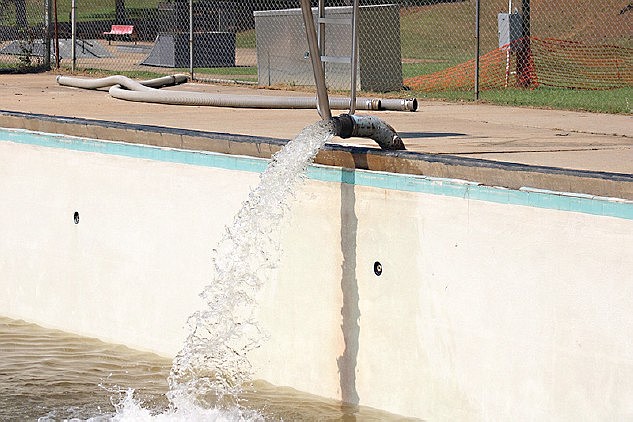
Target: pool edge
[486,172]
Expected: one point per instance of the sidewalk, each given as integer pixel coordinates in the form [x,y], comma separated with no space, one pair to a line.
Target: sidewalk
[560,139]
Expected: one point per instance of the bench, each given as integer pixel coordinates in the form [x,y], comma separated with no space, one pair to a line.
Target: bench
[123,31]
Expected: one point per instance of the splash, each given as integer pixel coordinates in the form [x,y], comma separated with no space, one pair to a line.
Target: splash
[210,371]
[212,366]
[131,409]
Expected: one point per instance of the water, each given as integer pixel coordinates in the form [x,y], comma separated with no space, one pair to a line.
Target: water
[53,376]
[213,363]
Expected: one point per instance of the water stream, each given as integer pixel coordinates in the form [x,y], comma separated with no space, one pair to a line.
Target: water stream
[213,365]
[210,378]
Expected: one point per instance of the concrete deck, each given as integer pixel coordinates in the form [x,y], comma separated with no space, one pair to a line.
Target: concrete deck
[514,147]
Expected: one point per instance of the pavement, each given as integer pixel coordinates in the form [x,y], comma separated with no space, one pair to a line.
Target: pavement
[570,140]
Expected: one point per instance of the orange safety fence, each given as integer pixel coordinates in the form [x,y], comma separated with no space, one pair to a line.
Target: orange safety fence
[550,62]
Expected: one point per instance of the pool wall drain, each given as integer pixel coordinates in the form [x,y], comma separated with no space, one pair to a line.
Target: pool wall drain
[124,88]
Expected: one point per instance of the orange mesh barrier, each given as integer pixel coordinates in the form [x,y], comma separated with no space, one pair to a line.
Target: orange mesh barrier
[550,62]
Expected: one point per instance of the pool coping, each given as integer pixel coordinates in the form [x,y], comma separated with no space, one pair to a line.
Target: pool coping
[486,172]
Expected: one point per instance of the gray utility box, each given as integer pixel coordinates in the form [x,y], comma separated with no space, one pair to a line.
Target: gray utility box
[210,49]
[510,29]
[282,48]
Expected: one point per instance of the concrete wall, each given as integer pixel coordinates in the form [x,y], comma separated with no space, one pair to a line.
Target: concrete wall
[493,304]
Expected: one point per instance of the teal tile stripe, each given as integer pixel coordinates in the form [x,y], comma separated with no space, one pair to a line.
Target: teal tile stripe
[402,182]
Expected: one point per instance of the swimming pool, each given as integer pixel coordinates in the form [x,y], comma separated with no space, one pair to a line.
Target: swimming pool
[427,297]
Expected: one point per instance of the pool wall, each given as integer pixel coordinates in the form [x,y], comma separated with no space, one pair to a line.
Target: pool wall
[492,303]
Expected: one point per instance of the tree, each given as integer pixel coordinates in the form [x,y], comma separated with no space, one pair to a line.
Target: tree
[20,11]
[119,11]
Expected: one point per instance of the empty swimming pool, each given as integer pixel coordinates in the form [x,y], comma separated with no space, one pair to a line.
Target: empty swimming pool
[426,297]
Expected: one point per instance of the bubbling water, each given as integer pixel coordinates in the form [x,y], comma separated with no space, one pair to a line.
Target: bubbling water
[212,366]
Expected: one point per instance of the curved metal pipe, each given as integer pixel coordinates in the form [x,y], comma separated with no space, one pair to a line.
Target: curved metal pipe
[348,125]
[125,88]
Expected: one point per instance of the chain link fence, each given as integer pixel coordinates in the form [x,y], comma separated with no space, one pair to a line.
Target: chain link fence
[429,47]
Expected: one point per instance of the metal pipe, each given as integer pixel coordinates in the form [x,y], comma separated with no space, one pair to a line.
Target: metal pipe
[398,104]
[323,104]
[48,11]
[191,38]
[73,36]
[321,32]
[144,91]
[477,46]
[56,34]
[354,58]
[347,126]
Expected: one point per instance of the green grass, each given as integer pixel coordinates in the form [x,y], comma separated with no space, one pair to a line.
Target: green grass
[441,36]
[247,74]
[238,73]
[410,70]
[245,39]
[602,101]
[133,74]
[97,11]
[229,71]
[615,101]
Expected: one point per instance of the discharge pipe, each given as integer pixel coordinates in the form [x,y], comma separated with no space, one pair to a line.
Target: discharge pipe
[352,125]
[124,88]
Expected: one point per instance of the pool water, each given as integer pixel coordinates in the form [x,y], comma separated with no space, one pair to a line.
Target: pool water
[53,375]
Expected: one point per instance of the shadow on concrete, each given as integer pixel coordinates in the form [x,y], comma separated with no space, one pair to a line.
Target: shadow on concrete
[409,135]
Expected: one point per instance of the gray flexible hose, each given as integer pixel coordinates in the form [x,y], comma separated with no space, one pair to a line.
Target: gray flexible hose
[125,88]
[121,80]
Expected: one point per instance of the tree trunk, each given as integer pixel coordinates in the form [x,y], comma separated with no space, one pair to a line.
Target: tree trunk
[20,14]
[119,12]
[525,64]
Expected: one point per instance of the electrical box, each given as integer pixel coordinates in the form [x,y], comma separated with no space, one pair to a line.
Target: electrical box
[510,29]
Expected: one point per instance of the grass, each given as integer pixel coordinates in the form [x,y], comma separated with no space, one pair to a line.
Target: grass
[245,39]
[228,71]
[133,74]
[615,101]
[618,101]
[441,36]
[238,73]
[247,74]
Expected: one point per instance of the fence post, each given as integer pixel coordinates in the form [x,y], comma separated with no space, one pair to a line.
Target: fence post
[48,11]
[477,47]
[191,38]
[56,25]
[73,35]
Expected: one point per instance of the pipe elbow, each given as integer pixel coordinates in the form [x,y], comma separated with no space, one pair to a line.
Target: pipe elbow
[384,135]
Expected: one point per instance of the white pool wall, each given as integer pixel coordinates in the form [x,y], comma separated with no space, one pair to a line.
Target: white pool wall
[493,304]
